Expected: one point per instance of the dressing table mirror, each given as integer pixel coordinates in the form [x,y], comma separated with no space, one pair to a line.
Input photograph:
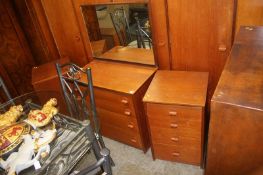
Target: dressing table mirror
[118,31]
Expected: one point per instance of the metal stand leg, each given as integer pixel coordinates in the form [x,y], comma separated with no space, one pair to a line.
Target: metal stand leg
[92,138]
[107,161]
[102,144]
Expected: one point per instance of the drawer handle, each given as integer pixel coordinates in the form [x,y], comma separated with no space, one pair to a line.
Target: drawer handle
[174,139]
[222,48]
[127,113]
[176,154]
[172,113]
[124,101]
[133,140]
[130,126]
[173,125]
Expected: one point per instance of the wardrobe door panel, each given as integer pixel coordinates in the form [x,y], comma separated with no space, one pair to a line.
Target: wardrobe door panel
[65,29]
[158,16]
[200,35]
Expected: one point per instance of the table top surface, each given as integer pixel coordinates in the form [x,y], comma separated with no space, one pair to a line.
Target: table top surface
[129,54]
[241,82]
[119,77]
[178,87]
[70,143]
[47,71]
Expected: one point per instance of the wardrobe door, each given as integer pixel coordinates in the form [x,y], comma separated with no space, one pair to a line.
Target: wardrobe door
[200,35]
[65,30]
[158,16]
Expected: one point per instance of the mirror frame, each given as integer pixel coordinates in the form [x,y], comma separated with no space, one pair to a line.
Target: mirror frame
[77,4]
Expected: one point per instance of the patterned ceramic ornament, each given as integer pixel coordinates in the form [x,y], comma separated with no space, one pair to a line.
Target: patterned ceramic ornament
[11,136]
[40,118]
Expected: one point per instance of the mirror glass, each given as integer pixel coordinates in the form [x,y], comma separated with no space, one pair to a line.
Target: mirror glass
[120,32]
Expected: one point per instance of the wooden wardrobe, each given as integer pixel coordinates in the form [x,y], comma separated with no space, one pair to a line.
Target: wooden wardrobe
[198,36]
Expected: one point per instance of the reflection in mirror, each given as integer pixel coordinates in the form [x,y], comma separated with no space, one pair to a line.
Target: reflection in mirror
[120,32]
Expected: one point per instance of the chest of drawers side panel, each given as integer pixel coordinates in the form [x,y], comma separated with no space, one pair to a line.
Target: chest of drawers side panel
[141,114]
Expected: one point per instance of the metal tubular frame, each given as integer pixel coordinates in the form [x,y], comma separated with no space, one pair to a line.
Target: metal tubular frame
[75,93]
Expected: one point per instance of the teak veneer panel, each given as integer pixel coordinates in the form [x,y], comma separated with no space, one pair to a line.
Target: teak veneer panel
[65,30]
[200,36]
[178,153]
[176,88]
[236,125]
[120,77]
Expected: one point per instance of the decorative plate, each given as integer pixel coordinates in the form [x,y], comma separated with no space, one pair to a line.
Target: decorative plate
[11,136]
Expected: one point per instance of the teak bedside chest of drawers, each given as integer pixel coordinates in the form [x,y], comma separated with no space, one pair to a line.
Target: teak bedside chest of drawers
[119,89]
[175,104]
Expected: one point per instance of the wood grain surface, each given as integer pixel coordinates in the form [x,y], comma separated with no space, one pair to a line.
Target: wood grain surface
[120,77]
[178,87]
[236,123]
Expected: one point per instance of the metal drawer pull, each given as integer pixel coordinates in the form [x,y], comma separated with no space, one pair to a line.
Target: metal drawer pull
[130,126]
[172,113]
[127,112]
[124,101]
[175,139]
[173,125]
[133,140]
[176,154]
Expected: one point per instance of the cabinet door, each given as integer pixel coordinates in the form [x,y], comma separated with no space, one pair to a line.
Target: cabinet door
[65,29]
[159,33]
[200,35]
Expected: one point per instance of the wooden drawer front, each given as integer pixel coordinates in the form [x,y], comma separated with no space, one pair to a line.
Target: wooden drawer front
[182,127]
[115,102]
[174,112]
[184,154]
[163,116]
[120,121]
[121,135]
[176,137]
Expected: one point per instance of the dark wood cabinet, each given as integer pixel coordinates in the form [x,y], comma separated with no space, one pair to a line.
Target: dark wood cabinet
[33,21]
[16,59]
[236,123]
